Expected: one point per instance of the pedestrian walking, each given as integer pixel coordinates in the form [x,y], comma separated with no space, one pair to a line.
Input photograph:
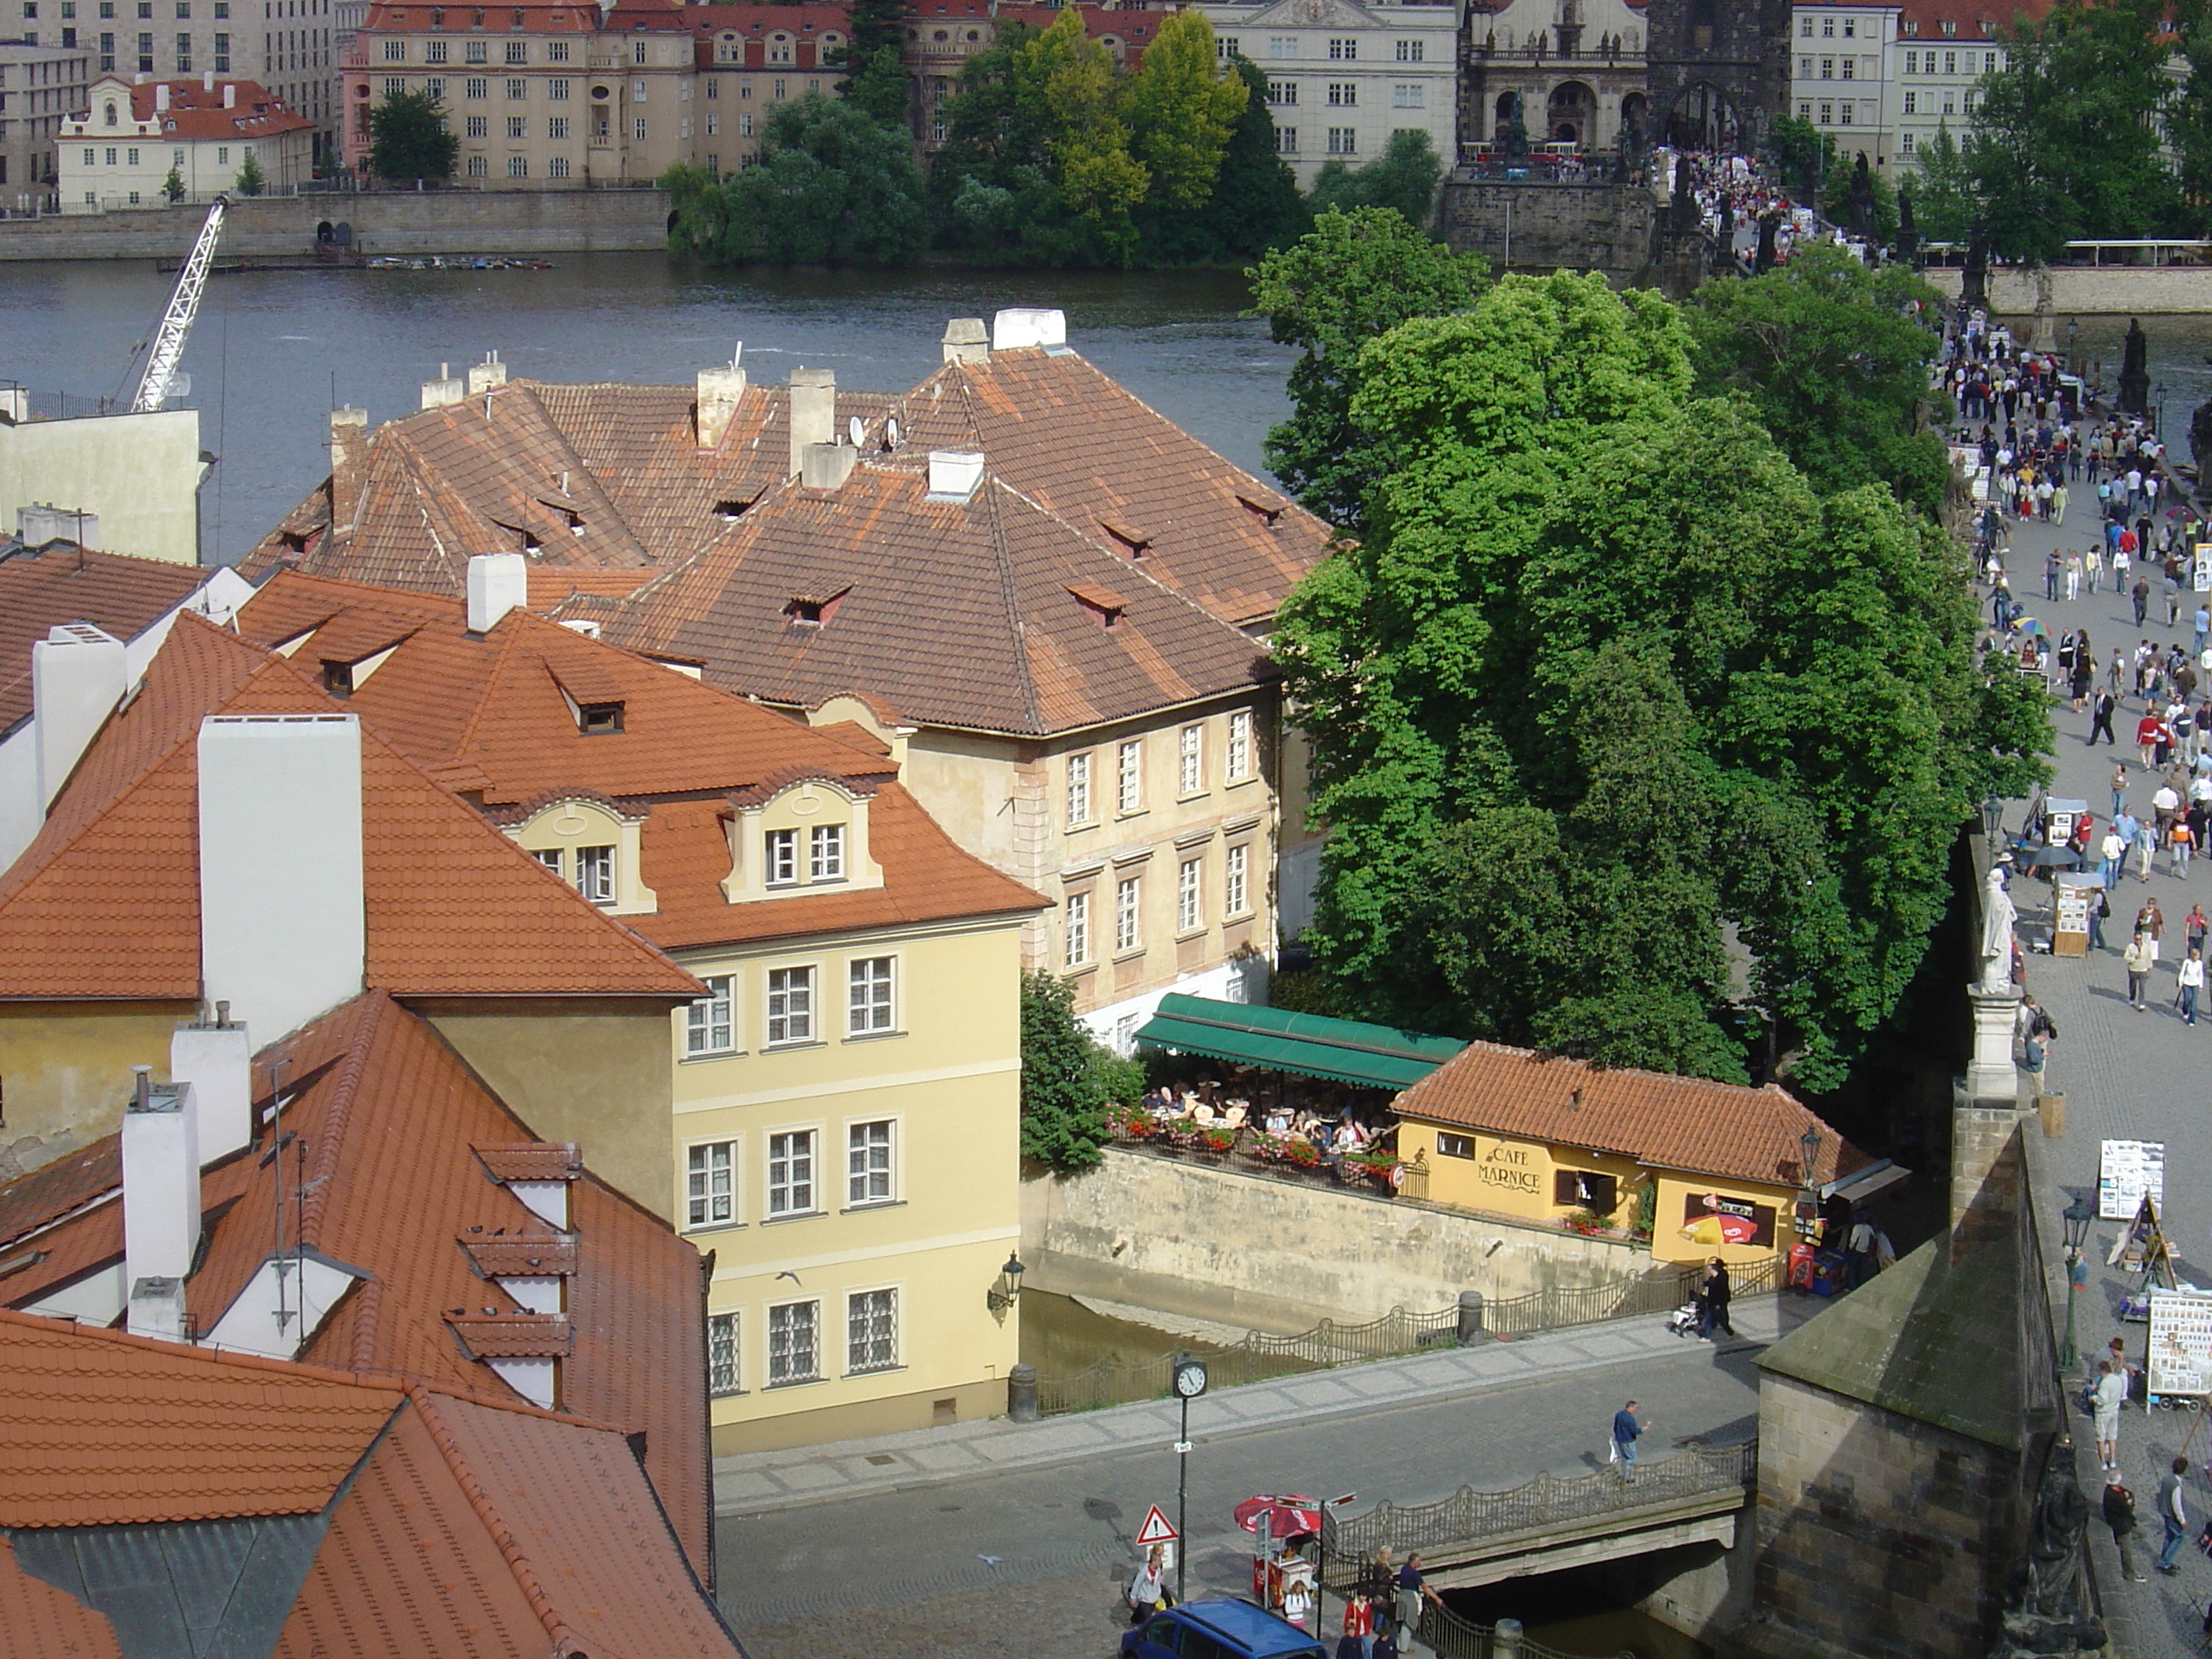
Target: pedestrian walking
[2203,622]
[1713,1300]
[2194,926]
[2106,1401]
[2184,841]
[2100,717]
[2146,734]
[2140,594]
[2173,1515]
[2119,789]
[1412,1590]
[2114,849]
[1627,1428]
[2120,1516]
[2099,907]
[2058,517]
[1148,1587]
[2138,957]
[2190,977]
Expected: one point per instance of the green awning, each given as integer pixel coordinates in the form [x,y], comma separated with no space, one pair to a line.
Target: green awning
[1312,1045]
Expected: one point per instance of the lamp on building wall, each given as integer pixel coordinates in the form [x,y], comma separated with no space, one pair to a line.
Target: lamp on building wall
[1002,1295]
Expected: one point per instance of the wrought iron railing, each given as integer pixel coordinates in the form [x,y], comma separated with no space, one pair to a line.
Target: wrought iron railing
[1352,1546]
[1450,1637]
[1261,1358]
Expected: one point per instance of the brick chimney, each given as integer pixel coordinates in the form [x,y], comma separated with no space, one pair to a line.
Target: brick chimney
[721,390]
[967,341]
[445,389]
[160,1203]
[813,411]
[498,583]
[78,674]
[215,1056]
[283,930]
[349,449]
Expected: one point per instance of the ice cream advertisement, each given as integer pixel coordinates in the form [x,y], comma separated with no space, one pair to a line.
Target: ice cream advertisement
[1709,1218]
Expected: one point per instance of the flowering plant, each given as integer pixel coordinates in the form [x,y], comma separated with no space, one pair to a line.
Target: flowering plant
[1217,1139]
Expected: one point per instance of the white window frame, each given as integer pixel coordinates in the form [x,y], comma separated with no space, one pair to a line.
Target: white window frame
[1128,914]
[825,852]
[794,1172]
[790,1012]
[595,877]
[871,996]
[1190,896]
[724,1379]
[1190,759]
[701,1023]
[1129,776]
[1078,790]
[786,1366]
[780,858]
[1075,928]
[1236,880]
[881,1311]
[710,1186]
[871,1160]
[1239,757]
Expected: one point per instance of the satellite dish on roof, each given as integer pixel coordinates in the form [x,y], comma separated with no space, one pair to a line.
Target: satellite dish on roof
[891,432]
[853,430]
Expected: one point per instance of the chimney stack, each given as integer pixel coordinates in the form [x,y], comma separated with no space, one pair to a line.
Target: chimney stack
[813,411]
[207,80]
[78,674]
[954,475]
[215,1058]
[486,374]
[721,390]
[230,94]
[160,1203]
[498,583]
[283,933]
[161,96]
[1012,331]
[967,341]
[348,447]
[826,467]
[445,389]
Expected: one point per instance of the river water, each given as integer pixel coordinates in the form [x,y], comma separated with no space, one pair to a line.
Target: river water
[273,351]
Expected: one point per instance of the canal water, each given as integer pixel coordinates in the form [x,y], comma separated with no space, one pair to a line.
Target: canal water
[273,351]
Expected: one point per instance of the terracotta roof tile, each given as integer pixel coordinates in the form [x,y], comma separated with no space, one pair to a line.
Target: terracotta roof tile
[48,1622]
[1671,1122]
[532,1160]
[54,1190]
[532,1254]
[512,1335]
[91,1430]
[194,112]
[40,590]
[105,903]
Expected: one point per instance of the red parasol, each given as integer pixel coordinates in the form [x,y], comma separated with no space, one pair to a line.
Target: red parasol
[1287,1517]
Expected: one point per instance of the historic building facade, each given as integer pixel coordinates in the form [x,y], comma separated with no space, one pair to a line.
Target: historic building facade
[1573,69]
[1718,70]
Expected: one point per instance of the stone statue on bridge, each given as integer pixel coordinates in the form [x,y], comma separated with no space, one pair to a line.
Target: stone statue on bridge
[1516,134]
[1862,221]
[2051,1610]
[2200,443]
[1998,916]
[1769,226]
[1908,233]
[2134,372]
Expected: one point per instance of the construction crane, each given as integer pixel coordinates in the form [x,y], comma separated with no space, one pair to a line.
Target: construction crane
[177,320]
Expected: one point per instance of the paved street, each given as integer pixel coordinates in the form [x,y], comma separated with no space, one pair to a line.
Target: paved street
[2125,1074]
[1030,1562]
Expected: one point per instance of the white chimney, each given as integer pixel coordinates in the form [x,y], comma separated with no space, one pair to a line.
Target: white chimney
[719,391]
[445,389]
[967,341]
[161,96]
[1011,331]
[207,80]
[813,411]
[283,930]
[953,476]
[161,1199]
[230,94]
[78,674]
[217,1061]
[484,376]
[498,583]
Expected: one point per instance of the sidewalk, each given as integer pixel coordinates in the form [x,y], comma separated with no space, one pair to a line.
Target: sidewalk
[751,1482]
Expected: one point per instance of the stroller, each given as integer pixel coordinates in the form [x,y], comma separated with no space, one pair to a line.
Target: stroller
[1683,1321]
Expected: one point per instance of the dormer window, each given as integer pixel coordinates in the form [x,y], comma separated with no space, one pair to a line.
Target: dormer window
[1102,605]
[598,719]
[825,853]
[595,873]
[782,857]
[812,610]
[1127,540]
[337,679]
[730,510]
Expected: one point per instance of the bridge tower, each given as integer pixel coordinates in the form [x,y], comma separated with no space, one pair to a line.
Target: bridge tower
[1718,72]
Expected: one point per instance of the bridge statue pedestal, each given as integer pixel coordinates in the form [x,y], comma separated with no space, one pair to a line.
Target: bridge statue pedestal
[1991,1074]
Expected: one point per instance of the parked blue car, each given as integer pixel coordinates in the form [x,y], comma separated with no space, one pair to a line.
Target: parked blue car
[1218,1630]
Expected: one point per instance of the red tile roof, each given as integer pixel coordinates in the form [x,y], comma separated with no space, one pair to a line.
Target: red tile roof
[38,592]
[194,112]
[52,1190]
[1669,1122]
[50,1622]
[104,903]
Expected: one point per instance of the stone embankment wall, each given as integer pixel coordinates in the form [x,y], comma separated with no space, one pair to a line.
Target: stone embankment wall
[1546,227]
[2086,291]
[395,222]
[1217,1243]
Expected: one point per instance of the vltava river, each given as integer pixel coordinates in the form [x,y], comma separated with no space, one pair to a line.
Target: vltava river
[272,351]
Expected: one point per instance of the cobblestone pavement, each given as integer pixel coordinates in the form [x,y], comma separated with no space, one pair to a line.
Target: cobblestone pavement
[2125,1074]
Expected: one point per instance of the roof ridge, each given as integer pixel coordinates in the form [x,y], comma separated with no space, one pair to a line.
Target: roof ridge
[528,389]
[517,1561]
[493,675]
[371,1006]
[1009,591]
[303,1370]
[1762,1090]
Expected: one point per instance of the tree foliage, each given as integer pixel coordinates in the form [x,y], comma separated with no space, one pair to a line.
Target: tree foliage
[1943,200]
[251,179]
[1181,108]
[409,139]
[1068,1079]
[1834,359]
[1403,178]
[833,186]
[1610,709]
[1353,277]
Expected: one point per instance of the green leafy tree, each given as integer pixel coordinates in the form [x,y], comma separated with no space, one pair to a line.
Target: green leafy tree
[1353,277]
[1099,179]
[1607,685]
[1068,1079]
[174,185]
[1180,106]
[1255,204]
[1403,178]
[879,85]
[1833,360]
[251,180]
[1943,200]
[409,139]
[833,186]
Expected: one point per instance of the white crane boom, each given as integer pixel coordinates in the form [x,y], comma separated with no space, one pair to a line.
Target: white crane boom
[177,320]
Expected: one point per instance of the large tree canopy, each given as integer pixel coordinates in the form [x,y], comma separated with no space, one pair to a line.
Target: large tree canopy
[409,139]
[833,185]
[1608,692]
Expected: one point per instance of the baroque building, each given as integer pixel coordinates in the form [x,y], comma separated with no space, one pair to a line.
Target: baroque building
[1574,69]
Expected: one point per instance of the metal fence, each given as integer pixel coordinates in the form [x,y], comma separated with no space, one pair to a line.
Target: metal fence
[1350,1544]
[1261,1358]
[1452,1637]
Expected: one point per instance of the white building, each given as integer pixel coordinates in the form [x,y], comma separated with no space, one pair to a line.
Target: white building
[1940,52]
[120,150]
[286,46]
[40,86]
[1343,76]
[1575,66]
[1840,78]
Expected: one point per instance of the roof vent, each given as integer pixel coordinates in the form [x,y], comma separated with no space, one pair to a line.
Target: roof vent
[953,474]
[1013,331]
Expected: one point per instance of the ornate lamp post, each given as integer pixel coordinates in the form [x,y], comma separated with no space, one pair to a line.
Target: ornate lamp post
[2077,1215]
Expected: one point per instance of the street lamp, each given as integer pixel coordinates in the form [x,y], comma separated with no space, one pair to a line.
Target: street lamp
[1992,820]
[2077,1216]
[1001,1296]
[1809,1206]
[2157,391]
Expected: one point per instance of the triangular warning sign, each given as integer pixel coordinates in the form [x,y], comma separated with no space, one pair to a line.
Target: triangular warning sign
[1155,1529]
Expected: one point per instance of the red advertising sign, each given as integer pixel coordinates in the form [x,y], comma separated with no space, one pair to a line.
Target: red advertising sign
[1712,1218]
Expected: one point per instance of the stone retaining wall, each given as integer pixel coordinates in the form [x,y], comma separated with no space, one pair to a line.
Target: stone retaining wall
[1217,1243]
[397,221]
[2087,291]
[1601,226]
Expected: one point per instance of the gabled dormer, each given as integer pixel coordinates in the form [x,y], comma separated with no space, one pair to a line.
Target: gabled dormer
[591,844]
[799,836]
